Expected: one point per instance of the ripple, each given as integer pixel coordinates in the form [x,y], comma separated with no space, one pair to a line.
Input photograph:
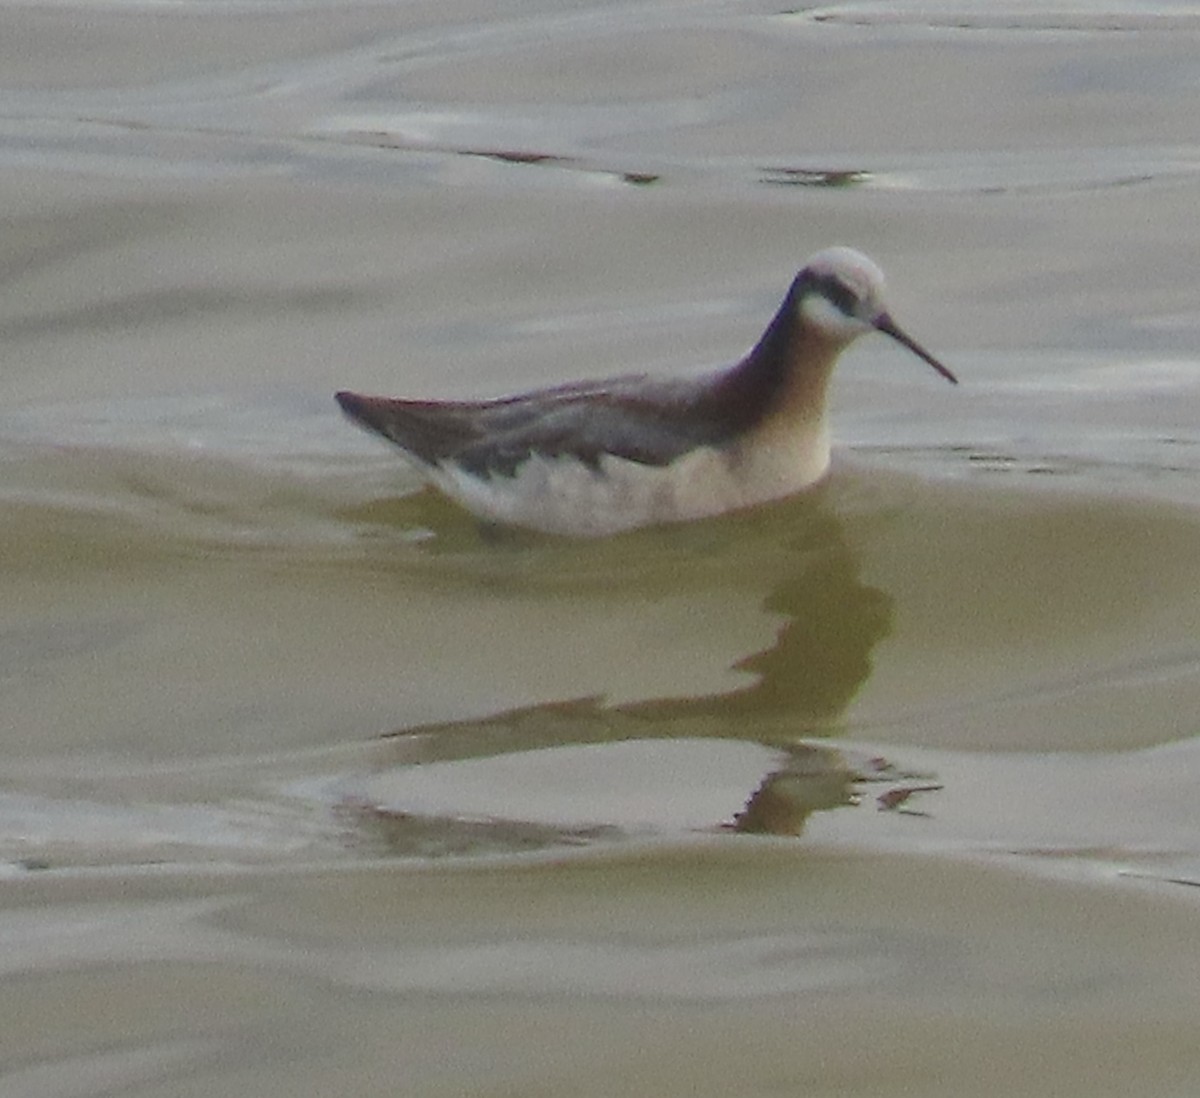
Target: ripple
[1031,17]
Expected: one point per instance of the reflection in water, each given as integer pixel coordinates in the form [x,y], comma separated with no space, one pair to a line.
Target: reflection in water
[379,828]
[791,561]
[579,794]
[822,653]
[800,685]
[814,781]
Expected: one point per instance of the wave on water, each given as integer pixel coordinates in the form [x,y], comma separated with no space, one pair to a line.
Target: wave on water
[193,473]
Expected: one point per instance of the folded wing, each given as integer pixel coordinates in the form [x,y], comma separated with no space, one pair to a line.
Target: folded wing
[637,418]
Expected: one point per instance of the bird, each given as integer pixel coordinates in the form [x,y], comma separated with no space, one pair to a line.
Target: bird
[595,458]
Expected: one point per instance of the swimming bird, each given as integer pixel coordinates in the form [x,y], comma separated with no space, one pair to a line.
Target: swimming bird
[591,458]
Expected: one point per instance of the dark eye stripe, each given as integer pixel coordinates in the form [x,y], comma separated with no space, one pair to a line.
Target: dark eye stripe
[840,295]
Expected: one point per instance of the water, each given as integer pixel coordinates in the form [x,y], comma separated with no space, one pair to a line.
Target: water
[310,783]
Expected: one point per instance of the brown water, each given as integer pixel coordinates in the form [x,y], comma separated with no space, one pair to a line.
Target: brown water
[309,785]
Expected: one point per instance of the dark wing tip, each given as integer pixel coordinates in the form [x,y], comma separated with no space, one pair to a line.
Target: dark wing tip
[350,403]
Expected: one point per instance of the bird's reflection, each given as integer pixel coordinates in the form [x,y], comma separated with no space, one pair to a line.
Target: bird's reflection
[821,656]
[798,688]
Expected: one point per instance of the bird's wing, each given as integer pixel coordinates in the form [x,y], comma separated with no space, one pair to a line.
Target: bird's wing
[427,430]
[639,419]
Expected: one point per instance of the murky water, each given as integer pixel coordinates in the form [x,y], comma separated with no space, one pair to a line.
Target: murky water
[310,784]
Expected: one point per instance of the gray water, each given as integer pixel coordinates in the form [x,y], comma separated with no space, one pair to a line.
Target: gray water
[310,784]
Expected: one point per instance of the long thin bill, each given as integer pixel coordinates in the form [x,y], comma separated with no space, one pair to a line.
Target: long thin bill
[885,324]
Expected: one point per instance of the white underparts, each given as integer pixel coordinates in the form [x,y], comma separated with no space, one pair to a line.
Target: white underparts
[565,496]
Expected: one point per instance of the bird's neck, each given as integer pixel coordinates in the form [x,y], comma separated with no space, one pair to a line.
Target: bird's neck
[784,377]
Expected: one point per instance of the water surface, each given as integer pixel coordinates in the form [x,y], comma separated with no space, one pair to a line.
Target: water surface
[311,783]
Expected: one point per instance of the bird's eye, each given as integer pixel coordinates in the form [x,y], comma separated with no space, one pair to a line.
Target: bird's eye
[840,295]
